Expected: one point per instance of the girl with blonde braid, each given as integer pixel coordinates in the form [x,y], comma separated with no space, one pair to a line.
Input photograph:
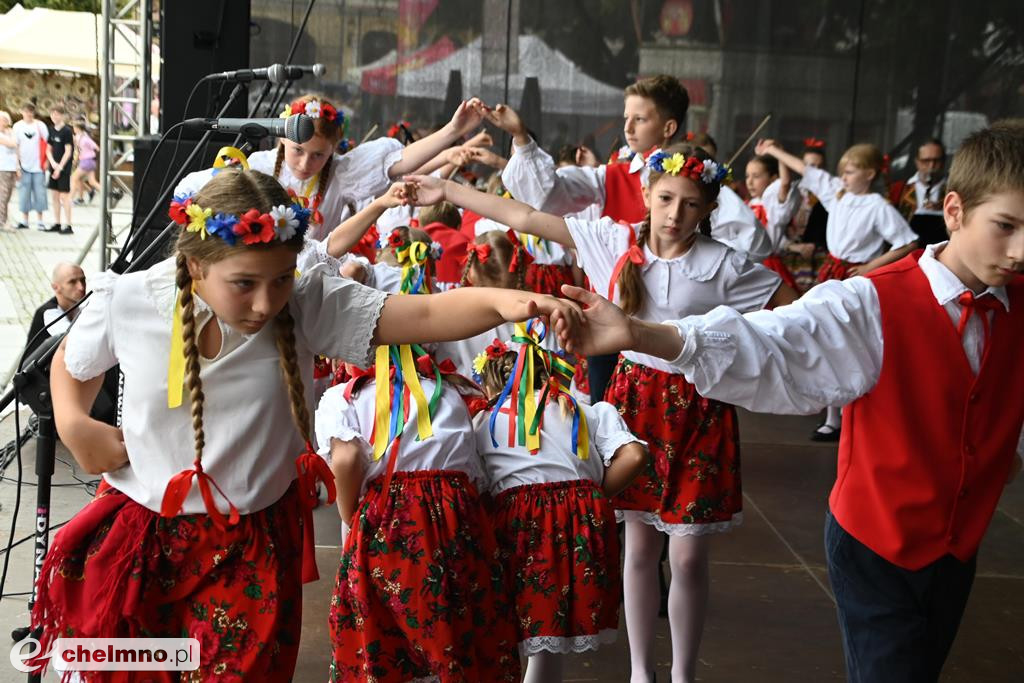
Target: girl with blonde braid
[663,267]
[212,477]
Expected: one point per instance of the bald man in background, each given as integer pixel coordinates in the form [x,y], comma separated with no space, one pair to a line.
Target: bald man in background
[68,282]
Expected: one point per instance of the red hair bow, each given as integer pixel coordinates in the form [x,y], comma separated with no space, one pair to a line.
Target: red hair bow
[482,251]
[814,143]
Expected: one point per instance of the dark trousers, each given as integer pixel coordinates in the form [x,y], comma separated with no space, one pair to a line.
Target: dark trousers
[897,624]
[599,371]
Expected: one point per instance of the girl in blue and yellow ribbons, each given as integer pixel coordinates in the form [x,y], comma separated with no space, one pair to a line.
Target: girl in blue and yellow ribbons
[420,590]
[553,465]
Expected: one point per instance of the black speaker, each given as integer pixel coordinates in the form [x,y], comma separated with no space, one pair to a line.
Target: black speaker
[200,37]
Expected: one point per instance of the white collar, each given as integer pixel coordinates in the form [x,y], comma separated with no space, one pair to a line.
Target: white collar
[637,162]
[701,262]
[945,285]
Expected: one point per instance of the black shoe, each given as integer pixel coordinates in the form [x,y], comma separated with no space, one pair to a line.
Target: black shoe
[117,195]
[66,230]
[21,226]
[53,228]
[825,433]
[92,193]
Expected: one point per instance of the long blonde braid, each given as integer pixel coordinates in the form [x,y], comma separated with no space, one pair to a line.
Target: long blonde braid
[284,326]
[183,279]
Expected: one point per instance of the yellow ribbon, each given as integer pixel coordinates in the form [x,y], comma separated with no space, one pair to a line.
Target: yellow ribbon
[411,378]
[232,153]
[383,401]
[176,360]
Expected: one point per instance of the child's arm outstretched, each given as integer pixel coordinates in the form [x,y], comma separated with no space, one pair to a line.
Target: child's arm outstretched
[466,312]
[468,116]
[97,446]
[823,350]
[787,160]
[348,234]
[425,190]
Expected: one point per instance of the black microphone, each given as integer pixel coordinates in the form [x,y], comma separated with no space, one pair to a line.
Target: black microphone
[297,128]
[275,73]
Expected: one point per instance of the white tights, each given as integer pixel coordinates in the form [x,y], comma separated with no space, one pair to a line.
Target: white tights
[544,667]
[687,599]
[834,417]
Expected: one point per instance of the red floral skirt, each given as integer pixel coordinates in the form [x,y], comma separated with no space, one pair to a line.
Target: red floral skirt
[559,543]
[691,484]
[119,570]
[548,278]
[774,263]
[835,268]
[421,590]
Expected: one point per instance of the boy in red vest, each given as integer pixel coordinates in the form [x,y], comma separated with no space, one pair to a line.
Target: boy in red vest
[925,352]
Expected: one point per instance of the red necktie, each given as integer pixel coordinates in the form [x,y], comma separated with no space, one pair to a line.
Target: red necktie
[980,305]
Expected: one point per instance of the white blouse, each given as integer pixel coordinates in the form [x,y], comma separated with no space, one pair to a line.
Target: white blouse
[355,177]
[251,441]
[452,446]
[509,466]
[779,213]
[709,274]
[858,224]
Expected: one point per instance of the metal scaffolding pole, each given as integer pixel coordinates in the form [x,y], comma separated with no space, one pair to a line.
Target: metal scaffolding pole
[126,87]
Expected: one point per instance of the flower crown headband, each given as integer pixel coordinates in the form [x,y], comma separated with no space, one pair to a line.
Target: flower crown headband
[707,171]
[314,109]
[252,227]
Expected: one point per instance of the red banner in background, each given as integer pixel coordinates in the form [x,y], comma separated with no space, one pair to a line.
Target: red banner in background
[384,80]
[411,15]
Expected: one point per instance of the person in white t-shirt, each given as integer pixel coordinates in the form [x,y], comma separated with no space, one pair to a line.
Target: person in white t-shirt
[215,345]
[31,135]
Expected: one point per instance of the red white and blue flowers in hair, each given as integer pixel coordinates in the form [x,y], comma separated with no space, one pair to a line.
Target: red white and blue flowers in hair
[314,109]
[282,223]
[707,171]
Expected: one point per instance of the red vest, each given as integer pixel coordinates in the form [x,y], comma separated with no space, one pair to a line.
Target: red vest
[623,198]
[925,454]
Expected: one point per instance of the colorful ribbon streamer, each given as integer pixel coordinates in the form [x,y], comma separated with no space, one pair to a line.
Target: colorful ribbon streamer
[393,397]
[526,410]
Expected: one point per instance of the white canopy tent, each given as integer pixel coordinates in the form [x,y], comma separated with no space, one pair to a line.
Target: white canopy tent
[564,88]
[55,40]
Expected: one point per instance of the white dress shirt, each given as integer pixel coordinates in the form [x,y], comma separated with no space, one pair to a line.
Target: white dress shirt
[452,446]
[356,178]
[858,224]
[251,441]
[823,350]
[926,193]
[709,274]
[510,466]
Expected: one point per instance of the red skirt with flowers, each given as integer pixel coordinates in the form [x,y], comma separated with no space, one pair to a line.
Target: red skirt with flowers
[559,543]
[691,484]
[421,590]
[548,278]
[835,268]
[774,263]
[119,570]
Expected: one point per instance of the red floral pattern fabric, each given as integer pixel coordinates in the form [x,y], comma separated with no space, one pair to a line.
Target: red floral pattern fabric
[420,589]
[548,278]
[693,476]
[834,269]
[559,544]
[118,570]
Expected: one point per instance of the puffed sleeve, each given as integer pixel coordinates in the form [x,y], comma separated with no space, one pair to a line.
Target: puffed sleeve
[338,419]
[823,350]
[363,172]
[90,342]
[608,430]
[315,251]
[822,185]
[748,285]
[892,226]
[532,178]
[599,244]
[336,317]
